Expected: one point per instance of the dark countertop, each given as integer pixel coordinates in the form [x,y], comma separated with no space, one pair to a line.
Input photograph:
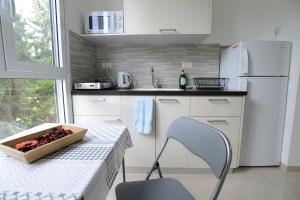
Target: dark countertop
[166,92]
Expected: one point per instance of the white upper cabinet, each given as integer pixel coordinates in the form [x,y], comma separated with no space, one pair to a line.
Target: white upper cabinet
[167,16]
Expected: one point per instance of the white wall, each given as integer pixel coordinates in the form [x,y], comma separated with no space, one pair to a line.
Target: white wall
[294,136]
[235,20]
[291,30]
[76,9]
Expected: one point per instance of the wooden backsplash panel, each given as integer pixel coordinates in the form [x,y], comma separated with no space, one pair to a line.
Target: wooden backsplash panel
[167,61]
[82,59]
[86,61]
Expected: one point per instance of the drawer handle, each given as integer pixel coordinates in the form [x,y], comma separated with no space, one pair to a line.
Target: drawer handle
[218,100]
[112,120]
[168,30]
[99,100]
[217,121]
[169,100]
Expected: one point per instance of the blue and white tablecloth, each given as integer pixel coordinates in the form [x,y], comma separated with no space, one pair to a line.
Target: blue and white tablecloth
[85,170]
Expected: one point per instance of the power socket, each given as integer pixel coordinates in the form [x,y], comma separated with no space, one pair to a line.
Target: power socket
[187,65]
[106,65]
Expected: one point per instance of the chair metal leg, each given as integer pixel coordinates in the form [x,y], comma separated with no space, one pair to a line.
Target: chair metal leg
[123,170]
[158,169]
[155,167]
[156,164]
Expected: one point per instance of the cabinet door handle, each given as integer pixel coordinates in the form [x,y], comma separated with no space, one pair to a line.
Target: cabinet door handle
[168,30]
[112,120]
[99,100]
[218,100]
[169,100]
[217,121]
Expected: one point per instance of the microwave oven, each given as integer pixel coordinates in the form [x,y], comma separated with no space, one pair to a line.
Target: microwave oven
[104,22]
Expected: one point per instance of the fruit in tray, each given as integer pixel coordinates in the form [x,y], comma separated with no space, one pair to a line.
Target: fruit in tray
[42,140]
[27,145]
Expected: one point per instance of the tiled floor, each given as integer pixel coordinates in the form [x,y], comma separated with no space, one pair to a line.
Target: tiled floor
[244,184]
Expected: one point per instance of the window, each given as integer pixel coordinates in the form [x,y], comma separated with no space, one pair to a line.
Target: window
[33,76]
[32,36]
[32,31]
[26,103]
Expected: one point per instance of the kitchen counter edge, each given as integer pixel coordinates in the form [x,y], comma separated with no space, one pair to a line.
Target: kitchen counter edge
[192,92]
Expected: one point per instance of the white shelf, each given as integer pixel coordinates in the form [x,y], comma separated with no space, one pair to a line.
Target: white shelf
[158,39]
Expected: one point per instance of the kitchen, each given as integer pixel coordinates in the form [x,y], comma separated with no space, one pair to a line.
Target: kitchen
[202,48]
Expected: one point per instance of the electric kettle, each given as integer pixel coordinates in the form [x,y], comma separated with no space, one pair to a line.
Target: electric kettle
[124,80]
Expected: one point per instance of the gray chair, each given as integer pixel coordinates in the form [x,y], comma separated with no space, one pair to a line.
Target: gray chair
[205,142]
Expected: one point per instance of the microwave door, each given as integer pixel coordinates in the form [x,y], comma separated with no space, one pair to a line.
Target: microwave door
[105,19]
[108,23]
[100,23]
[96,23]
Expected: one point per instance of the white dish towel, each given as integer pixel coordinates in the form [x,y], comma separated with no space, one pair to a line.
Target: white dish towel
[143,115]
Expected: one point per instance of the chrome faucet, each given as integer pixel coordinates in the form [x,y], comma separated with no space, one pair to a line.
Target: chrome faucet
[155,83]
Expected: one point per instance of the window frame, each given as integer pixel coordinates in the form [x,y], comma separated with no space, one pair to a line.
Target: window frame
[59,71]
[2,61]
[11,59]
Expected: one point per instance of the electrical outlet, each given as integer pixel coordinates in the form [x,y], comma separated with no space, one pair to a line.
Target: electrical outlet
[187,65]
[277,31]
[106,65]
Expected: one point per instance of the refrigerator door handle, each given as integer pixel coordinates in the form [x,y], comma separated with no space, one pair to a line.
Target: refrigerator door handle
[244,62]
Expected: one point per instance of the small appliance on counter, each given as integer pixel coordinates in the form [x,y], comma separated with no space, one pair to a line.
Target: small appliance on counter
[124,80]
[104,22]
[97,85]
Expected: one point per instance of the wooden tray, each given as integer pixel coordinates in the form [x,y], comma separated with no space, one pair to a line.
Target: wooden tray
[8,147]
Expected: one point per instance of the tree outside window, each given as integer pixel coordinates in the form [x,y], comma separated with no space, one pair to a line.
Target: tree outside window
[25,103]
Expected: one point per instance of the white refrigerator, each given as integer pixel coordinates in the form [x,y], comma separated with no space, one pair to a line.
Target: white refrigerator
[261,68]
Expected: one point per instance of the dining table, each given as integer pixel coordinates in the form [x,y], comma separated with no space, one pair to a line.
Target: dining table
[84,170]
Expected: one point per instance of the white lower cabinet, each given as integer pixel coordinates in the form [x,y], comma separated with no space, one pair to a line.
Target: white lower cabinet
[216,106]
[142,154]
[97,120]
[224,113]
[230,126]
[221,112]
[168,108]
[96,105]
[95,109]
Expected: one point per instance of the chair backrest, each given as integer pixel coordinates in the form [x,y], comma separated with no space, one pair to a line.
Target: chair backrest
[205,142]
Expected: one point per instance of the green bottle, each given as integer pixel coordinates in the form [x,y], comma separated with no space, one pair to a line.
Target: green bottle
[182,80]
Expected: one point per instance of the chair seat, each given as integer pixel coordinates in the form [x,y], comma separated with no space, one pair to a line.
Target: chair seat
[155,189]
